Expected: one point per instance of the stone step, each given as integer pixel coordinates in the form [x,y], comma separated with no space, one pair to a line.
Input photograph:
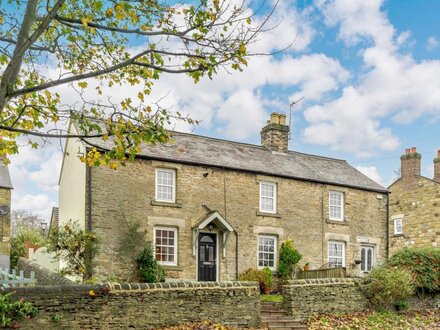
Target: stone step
[288,323]
[295,327]
[273,314]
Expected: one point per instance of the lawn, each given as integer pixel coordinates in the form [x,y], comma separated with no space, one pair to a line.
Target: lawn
[385,320]
[271,298]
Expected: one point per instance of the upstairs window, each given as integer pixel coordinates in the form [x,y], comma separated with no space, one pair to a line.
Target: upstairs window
[398,227]
[267,252]
[336,206]
[165,245]
[268,200]
[165,185]
[336,254]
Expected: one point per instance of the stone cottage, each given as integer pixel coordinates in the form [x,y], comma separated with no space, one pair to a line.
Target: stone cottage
[415,205]
[214,208]
[5,214]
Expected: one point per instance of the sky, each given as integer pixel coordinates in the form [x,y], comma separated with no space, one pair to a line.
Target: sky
[368,73]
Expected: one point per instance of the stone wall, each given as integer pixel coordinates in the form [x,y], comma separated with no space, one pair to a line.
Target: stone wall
[5,222]
[302,215]
[42,275]
[142,306]
[415,200]
[304,298]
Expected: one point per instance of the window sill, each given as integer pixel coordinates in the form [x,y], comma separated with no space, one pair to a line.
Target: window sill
[266,214]
[337,222]
[169,204]
[398,235]
[173,268]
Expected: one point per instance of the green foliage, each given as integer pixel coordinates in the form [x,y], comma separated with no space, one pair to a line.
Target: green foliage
[12,312]
[289,258]
[56,318]
[386,286]
[261,276]
[422,263]
[131,243]
[269,276]
[148,267]
[24,234]
[76,246]
[90,41]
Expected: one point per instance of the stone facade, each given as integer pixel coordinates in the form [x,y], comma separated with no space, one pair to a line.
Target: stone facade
[304,298]
[142,306]
[415,203]
[216,188]
[302,215]
[5,199]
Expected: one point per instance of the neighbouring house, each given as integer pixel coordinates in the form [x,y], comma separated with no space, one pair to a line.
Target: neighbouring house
[214,208]
[5,215]
[415,205]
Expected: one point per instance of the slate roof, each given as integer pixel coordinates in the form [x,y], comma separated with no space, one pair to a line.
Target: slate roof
[5,178]
[201,150]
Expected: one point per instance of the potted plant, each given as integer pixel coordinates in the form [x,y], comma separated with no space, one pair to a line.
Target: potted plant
[306,266]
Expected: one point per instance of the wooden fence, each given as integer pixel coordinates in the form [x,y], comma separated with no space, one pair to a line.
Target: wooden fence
[322,273]
[12,280]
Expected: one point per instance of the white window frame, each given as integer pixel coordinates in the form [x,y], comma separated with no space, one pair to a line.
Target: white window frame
[341,218]
[373,257]
[343,251]
[173,172]
[175,246]
[395,221]
[275,252]
[274,185]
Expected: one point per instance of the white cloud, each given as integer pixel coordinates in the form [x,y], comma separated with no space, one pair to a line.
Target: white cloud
[393,85]
[371,172]
[39,204]
[431,43]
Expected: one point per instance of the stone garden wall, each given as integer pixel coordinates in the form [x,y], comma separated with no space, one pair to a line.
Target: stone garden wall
[42,275]
[142,306]
[303,298]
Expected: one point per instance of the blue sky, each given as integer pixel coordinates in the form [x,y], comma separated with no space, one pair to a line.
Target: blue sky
[368,72]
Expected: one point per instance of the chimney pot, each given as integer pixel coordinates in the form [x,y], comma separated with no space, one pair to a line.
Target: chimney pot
[437,167]
[275,135]
[410,164]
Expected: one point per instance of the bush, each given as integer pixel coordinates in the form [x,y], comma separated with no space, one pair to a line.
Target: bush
[24,234]
[289,258]
[386,286]
[261,276]
[76,246]
[422,263]
[12,312]
[149,269]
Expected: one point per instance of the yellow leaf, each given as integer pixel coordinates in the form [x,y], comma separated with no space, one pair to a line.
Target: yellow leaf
[82,84]
[141,96]
[84,21]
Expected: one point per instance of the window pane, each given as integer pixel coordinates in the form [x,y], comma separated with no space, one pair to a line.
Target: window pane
[266,252]
[165,246]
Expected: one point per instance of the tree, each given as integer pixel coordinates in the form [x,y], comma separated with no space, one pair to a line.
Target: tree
[22,235]
[23,218]
[91,39]
[76,247]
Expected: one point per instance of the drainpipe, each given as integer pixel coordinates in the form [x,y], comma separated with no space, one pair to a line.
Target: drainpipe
[89,198]
[236,254]
[388,225]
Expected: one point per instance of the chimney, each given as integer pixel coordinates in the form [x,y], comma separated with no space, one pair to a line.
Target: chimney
[275,135]
[410,163]
[437,167]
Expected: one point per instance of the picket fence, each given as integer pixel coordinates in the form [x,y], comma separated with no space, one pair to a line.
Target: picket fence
[10,279]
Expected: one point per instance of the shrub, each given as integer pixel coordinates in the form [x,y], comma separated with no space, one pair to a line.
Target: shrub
[289,258]
[24,234]
[149,269]
[261,276]
[76,246]
[386,286]
[12,312]
[422,263]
